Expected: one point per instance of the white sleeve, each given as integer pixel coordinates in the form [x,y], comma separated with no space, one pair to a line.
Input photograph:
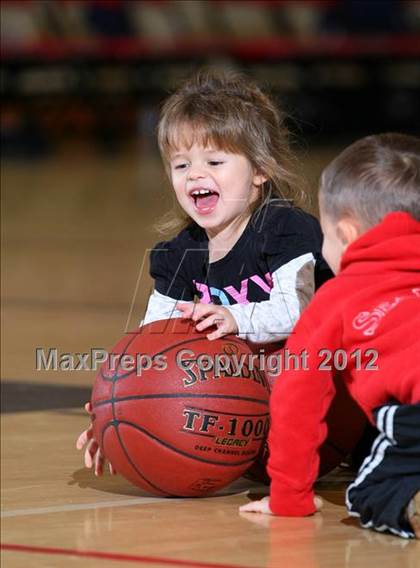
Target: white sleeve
[160,307]
[273,319]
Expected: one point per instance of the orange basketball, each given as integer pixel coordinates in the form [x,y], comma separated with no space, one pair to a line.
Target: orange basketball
[177,414]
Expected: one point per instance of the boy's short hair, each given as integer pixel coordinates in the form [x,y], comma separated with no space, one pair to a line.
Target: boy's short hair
[374,176]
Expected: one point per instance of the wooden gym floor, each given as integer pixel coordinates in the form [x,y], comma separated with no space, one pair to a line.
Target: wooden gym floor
[76,229]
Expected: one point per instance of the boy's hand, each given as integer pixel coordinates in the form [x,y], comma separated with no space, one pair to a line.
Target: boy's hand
[208,315]
[93,453]
[261,506]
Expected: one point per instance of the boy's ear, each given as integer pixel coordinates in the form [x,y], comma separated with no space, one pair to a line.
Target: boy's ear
[348,230]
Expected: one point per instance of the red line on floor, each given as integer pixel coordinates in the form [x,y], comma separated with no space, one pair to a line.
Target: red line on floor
[114,556]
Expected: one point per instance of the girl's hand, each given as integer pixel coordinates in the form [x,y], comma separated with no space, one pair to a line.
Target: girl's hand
[208,315]
[93,453]
[263,506]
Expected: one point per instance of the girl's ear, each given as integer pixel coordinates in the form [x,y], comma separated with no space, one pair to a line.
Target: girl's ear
[348,230]
[259,179]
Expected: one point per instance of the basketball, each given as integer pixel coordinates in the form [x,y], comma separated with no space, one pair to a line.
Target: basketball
[177,414]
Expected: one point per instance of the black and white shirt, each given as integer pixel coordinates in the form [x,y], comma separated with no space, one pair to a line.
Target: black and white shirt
[265,280]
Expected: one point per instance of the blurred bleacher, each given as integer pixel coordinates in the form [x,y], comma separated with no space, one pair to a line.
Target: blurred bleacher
[97,69]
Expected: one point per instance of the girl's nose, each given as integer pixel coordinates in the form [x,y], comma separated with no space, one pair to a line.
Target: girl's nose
[196,172]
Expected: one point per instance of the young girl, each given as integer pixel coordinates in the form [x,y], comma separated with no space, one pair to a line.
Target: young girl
[243,248]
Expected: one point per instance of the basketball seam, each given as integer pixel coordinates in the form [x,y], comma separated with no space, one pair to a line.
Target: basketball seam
[182,452]
[178,395]
[127,455]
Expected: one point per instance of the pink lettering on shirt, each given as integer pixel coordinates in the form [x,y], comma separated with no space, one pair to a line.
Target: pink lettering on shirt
[204,289]
[240,297]
[267,285]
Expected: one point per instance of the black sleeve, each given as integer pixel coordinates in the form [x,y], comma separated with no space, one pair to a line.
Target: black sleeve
[288,233]
[168,267]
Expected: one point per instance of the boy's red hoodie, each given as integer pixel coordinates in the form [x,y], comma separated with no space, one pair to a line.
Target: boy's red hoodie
[372,306]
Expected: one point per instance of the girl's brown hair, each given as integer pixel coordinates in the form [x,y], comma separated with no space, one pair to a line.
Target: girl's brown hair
[229,111]
[374,176]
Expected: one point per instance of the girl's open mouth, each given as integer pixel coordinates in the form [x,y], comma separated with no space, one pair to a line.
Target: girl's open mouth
[205,200]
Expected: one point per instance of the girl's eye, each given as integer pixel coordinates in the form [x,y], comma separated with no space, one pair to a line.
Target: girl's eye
[180,166]
[215,162]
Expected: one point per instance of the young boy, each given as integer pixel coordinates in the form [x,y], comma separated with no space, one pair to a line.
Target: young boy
[363,325]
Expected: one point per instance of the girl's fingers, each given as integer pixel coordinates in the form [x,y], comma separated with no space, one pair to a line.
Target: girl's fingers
[88,459]
[87,434]
[186,309]
[93,455]
[219,332]
[84,437]
[201,311]
[212,319]
[90,453]
[81,440]
[99,462]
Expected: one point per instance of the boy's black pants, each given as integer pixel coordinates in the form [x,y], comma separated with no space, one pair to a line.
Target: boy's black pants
[390,476]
